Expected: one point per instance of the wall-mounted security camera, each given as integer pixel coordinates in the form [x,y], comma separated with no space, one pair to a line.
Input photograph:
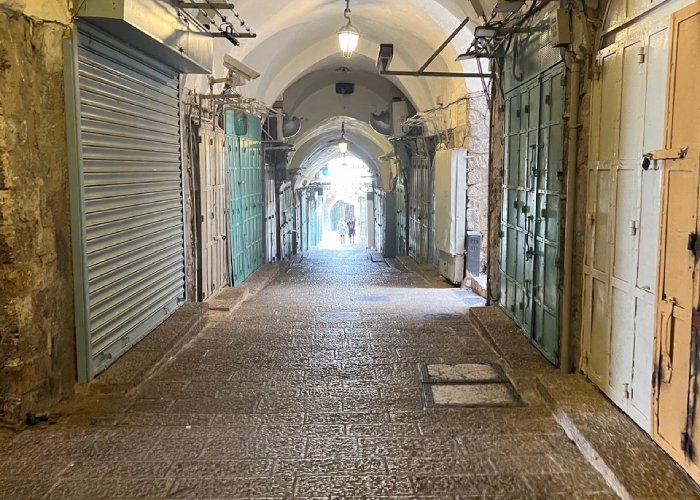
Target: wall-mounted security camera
[386,54]
[236,67]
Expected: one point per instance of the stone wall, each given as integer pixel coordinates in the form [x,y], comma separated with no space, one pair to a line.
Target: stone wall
[37,351]
[478,171]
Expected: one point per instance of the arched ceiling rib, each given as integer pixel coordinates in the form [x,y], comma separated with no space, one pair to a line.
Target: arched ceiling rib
[296,35]
[327,73]
[317,147]
[297,38]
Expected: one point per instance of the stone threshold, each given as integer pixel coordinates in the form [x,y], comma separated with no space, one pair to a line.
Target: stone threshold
[625,456]
[426,271]
[148,355]
[632,464]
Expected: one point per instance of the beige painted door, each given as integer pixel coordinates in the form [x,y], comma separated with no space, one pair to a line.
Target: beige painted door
[623,215]
[212,170]
[676,421]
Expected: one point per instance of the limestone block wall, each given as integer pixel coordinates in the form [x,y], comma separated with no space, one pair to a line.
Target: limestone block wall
[37,351]
[478,174]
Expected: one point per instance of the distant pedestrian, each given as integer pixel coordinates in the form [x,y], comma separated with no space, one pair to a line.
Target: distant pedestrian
[342,231]
[351,231]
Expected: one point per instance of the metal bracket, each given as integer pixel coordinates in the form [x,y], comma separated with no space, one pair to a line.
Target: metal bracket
[663,154]
[667,154]
[440,74]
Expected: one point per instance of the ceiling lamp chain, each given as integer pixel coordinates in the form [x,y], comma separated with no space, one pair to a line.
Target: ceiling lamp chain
[348,36]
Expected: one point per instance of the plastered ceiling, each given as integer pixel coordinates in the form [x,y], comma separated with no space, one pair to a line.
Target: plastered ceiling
[297,41]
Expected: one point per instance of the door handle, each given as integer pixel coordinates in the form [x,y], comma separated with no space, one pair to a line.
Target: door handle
[667,342]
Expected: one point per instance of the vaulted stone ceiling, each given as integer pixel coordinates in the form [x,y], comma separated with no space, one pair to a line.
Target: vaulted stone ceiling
[297,42]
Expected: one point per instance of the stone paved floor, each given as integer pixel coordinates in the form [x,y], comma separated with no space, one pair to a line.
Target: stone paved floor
[274,403]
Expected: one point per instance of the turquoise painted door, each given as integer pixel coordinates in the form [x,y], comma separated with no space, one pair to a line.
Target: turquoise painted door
[245,193]
[530,220]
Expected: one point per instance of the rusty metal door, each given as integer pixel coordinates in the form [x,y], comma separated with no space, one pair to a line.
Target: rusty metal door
[676,425]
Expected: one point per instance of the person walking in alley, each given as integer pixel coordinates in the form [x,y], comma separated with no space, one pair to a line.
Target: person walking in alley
[342,231]
[351,231]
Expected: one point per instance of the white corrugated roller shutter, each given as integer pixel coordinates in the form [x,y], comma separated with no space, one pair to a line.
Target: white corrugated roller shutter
[131,173]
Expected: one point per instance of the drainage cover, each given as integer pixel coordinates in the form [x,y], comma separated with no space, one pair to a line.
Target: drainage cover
[443,317]
[467,385]
[338,316]
[471,395]
[462,373]
[371,298]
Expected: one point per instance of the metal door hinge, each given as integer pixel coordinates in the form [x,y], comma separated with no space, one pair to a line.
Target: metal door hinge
[641,55]
[687,444]
[695,322]
[626,391]
[634,227]
[693,243]
[597,70]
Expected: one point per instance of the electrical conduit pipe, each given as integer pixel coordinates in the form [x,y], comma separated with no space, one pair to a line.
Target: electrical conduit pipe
[570,225]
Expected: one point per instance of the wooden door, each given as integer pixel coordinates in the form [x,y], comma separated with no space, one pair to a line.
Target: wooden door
[676,421]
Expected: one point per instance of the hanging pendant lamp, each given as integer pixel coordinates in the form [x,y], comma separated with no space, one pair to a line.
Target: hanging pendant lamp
[348,36]
[342,143]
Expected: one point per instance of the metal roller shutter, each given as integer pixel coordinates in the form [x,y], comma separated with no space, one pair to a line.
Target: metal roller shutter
[131,204]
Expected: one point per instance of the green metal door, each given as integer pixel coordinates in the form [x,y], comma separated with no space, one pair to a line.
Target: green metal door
[304,222]
[245,193]
[401,221]
[530,221]
[311,198]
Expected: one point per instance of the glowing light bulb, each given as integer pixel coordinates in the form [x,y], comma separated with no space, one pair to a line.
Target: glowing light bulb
[349,38]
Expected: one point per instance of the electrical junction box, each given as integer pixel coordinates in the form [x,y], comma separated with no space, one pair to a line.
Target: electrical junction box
[399,114]
[474,253]
[559,28]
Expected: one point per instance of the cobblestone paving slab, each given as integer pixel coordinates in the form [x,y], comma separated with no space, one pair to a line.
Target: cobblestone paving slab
[288,399]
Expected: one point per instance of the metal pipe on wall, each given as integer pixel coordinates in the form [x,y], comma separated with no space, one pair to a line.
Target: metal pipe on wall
[569,230]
